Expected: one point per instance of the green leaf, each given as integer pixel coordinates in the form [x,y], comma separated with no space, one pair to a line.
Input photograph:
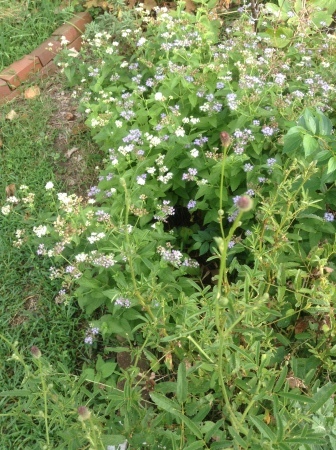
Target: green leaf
[15,393]
[165,403]
[194,446]
[263,428]
[322,396]
[310,144]
[182,383]
[331,164]
[325,125]
[278,419]
[281,379]
[310,121]
[296,397]
[190,424]
[292,142]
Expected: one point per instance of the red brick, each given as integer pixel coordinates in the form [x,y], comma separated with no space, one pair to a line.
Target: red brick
[48,69]
[80,20]
[10,97]
[4,89]
[20,70]
[68,31]
[76,44]
[45,52]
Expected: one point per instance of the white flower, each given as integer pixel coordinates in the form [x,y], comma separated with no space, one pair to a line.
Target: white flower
[118,123]
[155,141]
[40,230]
[180,132]
[49,185]
[194,153]
[81,257]
[159,97]
[141,41]
[13,199]
[6,210]
[64,40]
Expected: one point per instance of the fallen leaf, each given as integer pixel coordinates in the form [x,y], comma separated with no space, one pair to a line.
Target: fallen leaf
[301,325]
[294,382]
[70,152]
[69,116]
[190,6]
[149,4]
[32,92]
[10,190]
[78,129]
[11,115]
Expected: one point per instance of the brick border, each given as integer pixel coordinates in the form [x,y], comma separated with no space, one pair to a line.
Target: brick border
[41,59]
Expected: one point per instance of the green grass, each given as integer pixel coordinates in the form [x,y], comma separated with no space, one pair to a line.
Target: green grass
[28,312]
[25,24]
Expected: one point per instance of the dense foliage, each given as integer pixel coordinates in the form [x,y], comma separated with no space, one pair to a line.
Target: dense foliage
[204,255]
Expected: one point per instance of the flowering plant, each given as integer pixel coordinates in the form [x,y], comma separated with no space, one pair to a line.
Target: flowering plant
[210,232]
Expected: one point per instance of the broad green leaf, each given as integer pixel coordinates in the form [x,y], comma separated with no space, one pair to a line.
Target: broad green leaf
[309,121]
[263,428]
[322,395]
[310,144]
[182,383]
[292,142]
[331,164]
[325,126]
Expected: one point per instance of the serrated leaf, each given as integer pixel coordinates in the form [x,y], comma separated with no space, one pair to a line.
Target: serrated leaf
[331,164]
[325,125]
[310,144]
[292,142]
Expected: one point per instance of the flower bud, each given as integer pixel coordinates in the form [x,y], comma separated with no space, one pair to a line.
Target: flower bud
[225,139]
[36,352]
[245,203]
[84,413]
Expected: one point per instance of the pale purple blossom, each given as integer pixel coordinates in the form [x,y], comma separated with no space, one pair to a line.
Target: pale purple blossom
[329,217]
[191,204]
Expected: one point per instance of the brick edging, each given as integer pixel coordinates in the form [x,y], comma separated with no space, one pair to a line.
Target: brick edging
[41,59]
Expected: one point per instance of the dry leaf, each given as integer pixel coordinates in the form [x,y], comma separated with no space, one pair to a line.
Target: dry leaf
[294,382]
[10,190]
[71,151]
[190,6]
[69,116]
[11,115]
[79,129]
[301,325]
[32,92]
[149,4]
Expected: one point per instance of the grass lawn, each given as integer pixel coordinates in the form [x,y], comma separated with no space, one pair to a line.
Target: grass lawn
[33,148]
[25,24]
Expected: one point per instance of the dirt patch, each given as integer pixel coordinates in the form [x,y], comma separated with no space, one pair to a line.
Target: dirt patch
[74,153]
